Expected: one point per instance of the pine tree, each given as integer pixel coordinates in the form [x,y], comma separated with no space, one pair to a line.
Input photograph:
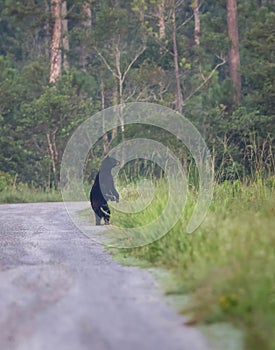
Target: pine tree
[56,42]
[234,55]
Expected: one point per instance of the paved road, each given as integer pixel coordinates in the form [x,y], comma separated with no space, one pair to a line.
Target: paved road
[60,290]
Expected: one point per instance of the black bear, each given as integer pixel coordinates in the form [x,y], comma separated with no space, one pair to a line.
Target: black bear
[103,190]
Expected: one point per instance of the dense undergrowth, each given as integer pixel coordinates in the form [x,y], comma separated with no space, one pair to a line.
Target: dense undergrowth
[12,191]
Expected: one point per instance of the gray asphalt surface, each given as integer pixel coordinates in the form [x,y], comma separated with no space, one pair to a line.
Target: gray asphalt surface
[60,290]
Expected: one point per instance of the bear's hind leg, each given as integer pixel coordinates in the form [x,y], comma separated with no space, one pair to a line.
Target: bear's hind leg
[106,213]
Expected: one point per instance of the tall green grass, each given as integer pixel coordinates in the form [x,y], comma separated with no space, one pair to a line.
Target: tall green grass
[29,195]
[227,265]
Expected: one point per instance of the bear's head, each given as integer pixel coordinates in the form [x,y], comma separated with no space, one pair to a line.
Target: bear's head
[109,163]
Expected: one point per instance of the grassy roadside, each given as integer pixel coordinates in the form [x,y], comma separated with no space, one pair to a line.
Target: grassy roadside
[227,266]
[29,195]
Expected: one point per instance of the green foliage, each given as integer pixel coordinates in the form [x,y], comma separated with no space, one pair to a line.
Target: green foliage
[226,265]
[240,137]
[259,56]
[6,181]
[224,259]
[12,191]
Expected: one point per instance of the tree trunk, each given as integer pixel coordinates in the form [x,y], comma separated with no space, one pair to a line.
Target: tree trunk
[259,4]
[120,81]
[53,155]
[47,30]
[65,38]
[197,29]
[176,63]
[56,54]
[106,143]
[234,55]
[161,20]
[87,25]
[115,104]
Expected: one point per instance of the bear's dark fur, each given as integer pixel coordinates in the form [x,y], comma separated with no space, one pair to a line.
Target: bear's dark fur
[103,190]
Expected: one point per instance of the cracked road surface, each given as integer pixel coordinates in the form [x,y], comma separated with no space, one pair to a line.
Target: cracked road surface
[60,290]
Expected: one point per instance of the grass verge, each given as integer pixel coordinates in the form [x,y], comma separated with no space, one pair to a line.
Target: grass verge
[29,195]
[227,266]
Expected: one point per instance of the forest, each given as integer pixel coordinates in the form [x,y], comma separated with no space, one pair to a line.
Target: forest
[211,61]
[63,61]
